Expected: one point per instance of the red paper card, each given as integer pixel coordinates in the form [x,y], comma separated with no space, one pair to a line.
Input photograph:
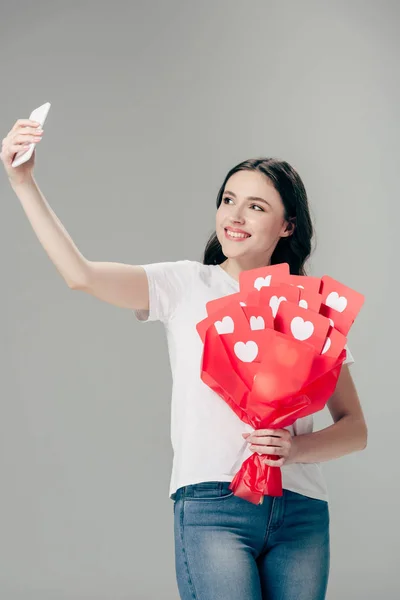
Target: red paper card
[253,298]
[334,343]
[255,279]
[245,351]
[305,282]
[223,319]
[218,303]
[274,295]
[234,318]
[340,303]
[259,317]
[310,300]
[302,324]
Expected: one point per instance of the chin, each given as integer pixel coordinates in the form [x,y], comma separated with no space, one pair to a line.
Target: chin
[232,253]
[229,249]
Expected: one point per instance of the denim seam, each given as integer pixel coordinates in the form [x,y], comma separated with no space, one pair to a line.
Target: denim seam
[181,528]
[267,529]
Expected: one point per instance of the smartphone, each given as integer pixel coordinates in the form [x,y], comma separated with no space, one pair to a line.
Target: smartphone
[39,115]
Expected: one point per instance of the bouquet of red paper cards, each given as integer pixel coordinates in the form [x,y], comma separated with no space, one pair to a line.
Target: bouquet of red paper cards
[274,351]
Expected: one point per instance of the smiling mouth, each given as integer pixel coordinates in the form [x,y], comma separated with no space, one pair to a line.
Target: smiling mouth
[233,235]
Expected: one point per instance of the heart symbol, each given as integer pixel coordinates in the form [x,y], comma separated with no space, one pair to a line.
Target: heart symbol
[303,303]
[337,302]
[225,326]
[301,330]
[246,352]
[274,303]
[327,345]
[262,282]
[257,323]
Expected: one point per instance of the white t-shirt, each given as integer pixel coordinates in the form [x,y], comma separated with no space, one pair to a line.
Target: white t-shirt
[205,432]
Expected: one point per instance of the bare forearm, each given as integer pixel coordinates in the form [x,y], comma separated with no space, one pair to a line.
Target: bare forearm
[54,238]
[345,436]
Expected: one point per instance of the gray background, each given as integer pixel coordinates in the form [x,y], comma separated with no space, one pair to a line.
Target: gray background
[152,103]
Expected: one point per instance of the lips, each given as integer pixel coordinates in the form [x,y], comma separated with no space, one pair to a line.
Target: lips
[236,236]
[235,230]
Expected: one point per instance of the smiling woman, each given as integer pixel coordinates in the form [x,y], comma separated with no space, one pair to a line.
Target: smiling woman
[225,547]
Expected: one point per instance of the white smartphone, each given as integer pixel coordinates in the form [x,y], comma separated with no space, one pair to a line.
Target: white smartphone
[39,115]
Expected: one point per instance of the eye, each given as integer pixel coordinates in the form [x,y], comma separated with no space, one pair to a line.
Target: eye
[228,199]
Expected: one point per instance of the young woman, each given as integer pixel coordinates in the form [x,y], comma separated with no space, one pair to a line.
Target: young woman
[225,547]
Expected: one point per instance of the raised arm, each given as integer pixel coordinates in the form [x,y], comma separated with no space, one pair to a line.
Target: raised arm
[119,284]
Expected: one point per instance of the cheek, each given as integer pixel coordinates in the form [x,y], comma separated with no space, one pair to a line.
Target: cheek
[267,227]
[219,217]
[218,227]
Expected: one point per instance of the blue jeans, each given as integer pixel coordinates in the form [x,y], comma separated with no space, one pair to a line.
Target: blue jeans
[227,548]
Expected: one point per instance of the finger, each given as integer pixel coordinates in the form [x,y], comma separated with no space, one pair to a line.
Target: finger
[266,449]
[10,145]
[25,139]
[17,147]
[274,463]
[270,432]
[25,123]
[277,462]
[11,150]
[274,441]
[29,131]
[269,441]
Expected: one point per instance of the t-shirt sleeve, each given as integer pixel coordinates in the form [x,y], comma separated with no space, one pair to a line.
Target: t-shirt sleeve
[170,283]
[349,357]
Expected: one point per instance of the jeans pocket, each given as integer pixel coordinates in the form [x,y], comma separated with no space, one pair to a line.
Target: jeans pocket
[208,491]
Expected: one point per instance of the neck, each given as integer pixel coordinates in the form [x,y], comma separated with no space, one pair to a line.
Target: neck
[234,267]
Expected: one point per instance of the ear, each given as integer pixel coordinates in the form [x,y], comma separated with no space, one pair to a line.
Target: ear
[289,227]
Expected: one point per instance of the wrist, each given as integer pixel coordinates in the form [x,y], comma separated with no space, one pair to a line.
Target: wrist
[26,181]
[294,451]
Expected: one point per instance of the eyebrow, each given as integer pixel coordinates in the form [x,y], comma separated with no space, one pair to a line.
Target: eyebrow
[256,198]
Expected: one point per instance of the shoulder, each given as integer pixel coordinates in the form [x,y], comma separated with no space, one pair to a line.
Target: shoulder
[180,272]
[188,267]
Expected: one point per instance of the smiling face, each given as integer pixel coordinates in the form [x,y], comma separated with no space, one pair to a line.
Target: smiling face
[253,211]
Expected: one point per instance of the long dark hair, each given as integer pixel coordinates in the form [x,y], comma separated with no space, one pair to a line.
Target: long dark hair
[293,249]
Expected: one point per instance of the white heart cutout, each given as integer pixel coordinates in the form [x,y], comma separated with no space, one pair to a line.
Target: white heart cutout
[301,329]
[225,326]
[257,323]
[243,304]
[274,303]
[337,302]
[262,282]
[303,303]
[327,345]
[246,352]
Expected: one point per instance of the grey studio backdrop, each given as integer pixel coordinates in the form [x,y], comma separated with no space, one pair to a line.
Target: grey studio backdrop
[152,103]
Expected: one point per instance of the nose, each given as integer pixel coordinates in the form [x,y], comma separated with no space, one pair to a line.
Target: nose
[236,215]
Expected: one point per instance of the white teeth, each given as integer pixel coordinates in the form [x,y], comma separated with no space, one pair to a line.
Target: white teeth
[237,235]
